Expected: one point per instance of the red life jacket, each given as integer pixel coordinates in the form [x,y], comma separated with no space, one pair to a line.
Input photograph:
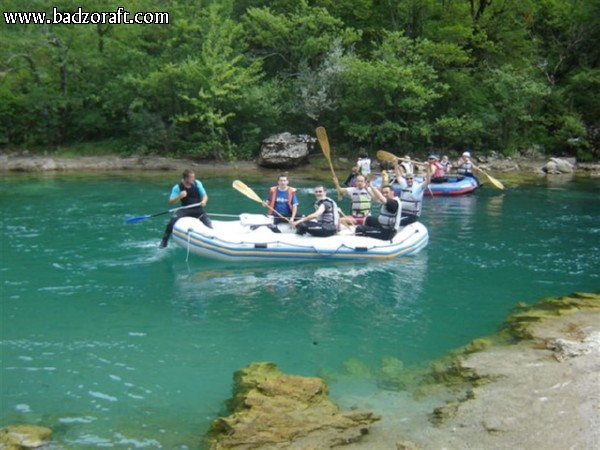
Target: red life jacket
[439,170]
[273,197]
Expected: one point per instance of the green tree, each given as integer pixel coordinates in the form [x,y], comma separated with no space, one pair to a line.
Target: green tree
[389,99]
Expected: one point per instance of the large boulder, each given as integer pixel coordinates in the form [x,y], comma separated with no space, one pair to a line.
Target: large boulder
[564,165]
[271,410]
[285,150]
[559,165]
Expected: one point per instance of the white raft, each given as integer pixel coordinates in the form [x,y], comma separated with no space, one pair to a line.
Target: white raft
[248,239]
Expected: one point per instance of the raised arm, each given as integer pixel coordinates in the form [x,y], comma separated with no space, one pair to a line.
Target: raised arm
[376,194]
[339,188]
[398,171]
[427,177]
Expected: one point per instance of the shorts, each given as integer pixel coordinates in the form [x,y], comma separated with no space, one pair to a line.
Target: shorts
[359,220]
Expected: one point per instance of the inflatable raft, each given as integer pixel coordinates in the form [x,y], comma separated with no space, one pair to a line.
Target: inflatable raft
[251,239]
[454,185]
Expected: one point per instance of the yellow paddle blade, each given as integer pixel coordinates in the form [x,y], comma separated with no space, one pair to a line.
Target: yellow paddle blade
[385,156]
[324,142]
[493,180]
[241,187]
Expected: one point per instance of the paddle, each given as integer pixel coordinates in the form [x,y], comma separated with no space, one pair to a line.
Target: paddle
[324,142]
[494,181]
[148,216]
[248,192]
[387,156]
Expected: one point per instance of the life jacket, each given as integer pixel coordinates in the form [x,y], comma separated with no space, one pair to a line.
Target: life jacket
[439,170]
[330,215]
[360,202]
[388,219]
[273,198]
[466,168]
[410,204]
[193,194]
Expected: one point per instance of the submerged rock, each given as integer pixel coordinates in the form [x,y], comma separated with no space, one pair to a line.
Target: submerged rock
[23,436]
[273,410]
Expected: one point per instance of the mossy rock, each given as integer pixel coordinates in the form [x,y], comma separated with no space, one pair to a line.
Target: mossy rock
[518,325]
[23,436]
[248,378]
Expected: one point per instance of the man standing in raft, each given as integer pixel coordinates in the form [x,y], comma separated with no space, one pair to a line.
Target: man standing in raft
[190,192]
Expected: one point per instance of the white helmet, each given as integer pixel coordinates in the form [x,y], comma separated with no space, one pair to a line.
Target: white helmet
[467,154]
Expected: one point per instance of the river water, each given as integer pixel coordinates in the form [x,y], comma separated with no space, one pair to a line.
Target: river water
[114,343]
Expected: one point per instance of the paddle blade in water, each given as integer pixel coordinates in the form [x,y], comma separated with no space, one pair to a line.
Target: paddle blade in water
[137,219]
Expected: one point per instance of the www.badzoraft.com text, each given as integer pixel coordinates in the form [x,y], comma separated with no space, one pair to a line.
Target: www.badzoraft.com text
[81,17]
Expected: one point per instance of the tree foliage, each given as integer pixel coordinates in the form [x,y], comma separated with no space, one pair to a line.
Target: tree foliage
[222,75]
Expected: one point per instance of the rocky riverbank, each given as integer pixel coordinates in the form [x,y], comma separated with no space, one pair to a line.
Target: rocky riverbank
[24,162]
[539,388]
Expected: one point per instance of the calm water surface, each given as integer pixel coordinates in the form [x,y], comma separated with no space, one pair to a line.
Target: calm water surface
[114,343]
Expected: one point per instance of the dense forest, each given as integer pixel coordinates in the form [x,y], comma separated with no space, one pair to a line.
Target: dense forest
[512,76]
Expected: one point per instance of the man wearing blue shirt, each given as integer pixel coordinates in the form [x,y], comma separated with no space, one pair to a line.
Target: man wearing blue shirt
[188,191]
[282,201]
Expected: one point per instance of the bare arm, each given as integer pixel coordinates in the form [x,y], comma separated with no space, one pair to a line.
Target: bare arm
[339,188]
[427,177]
[320,210]
[398,171]
[376,194]
[178,197]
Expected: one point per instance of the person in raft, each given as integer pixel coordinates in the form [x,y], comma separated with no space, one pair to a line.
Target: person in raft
[436,169]
[364,163]
[410,194]
[360,201]
[464,166]
[282,199]
[324,221]
[387,224]
[188,191]
[446,164]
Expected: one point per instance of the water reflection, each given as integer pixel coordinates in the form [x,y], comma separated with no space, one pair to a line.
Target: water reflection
[451,212]
[346,309]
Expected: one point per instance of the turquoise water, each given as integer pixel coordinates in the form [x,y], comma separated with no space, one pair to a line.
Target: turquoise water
[114,343]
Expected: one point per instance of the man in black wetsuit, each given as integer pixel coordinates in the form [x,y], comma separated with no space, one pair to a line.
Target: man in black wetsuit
[188,191]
